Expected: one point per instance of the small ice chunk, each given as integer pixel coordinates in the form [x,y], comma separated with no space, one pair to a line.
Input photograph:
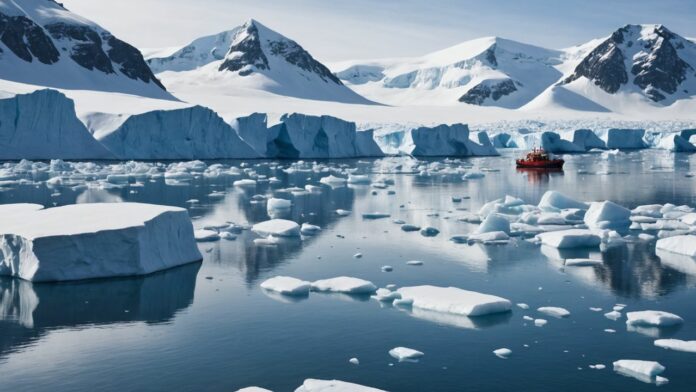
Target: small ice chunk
[645,371]
[556,201]
[598,366]
[455,300]
[503,353]
[429,231]
[274,204]
[554,311]
[528,318]
[344,284]
[354,361]
[357,255]
[613,315]
[333,180]
[405,353]
[254,389]
[387,268]
[687,346]
[277,228]
[540,322]
[203,235]
[287,286]
[358,179]
[609,330]
[596,309]
[308,230]
[386,295]
[607,215]
[226,235]
[341,212]
[522,305]
[654,318]
[244,183]
[494,222]
[408,227]
[414,262]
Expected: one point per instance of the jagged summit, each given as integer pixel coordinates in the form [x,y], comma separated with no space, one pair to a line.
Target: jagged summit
[647,58]
[43,43]
[253,56]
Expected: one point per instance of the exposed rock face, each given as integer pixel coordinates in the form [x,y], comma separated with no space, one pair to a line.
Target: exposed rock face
[245,53]
[45,32]
[650,53]
[250,50]
[478,94]
[26,39]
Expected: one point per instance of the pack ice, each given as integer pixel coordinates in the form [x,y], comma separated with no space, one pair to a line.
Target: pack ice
[85,241]
[454,300]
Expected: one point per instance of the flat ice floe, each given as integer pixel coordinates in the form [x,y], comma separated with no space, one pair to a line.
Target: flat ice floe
[454,300]
[405,353]
[687,346]
[277,228]
[313,385]
[680,244]
[646,371]
[287,286]
[203,235]
[572,238]
[503,353]
[84,241]
[653,318]
[345,285]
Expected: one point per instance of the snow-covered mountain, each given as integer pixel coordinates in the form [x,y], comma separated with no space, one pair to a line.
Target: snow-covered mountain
[44,44]
[488,71]
[251,57]
[649,60]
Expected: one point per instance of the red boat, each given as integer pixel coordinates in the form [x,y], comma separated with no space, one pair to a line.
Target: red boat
[539,159]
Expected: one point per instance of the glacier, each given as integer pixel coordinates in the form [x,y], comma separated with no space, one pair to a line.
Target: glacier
[86,241]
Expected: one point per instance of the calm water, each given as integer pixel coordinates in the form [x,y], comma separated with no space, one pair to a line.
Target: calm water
[208,326]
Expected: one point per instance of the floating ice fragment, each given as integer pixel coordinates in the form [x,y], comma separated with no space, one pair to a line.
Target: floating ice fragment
[503,353]
[354,361]
[405,353]
[522,305]
[554,311]
[407,227]
[645,371]
[344,284]
[429,231]
[414,262]
[454,300]
[573,238]
[540,322]
[287,286]
[582,262]
[688,346]
[277,228]
[203,235]
[653,318]
[613,315]
[341,212]
[375,215]
[387,268]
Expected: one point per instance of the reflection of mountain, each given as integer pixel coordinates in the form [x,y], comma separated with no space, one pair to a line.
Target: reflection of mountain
[628,271]
[28,310]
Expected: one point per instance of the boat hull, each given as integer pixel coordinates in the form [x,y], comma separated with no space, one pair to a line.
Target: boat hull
[552,164]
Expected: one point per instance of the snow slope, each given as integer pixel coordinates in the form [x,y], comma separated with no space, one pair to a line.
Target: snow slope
[487,71]
[251,57]
[44,44]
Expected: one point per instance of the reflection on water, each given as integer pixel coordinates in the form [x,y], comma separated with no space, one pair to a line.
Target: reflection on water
[231,313]
[28,310]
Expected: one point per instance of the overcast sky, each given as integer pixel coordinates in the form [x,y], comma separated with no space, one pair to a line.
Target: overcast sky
[358,29]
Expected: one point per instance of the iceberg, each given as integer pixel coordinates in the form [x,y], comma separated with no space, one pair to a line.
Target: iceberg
[629,139]
[454,300]
[43,125]
[607,215]
[85,241]
[587,139]
[445,140]
[552,142]
[190,133]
